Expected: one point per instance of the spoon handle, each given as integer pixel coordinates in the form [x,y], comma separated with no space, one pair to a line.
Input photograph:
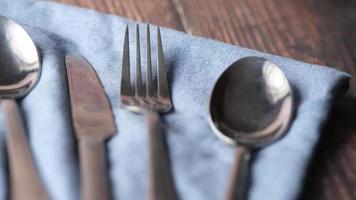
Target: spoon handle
[239,176]
[161,181]
[25,182]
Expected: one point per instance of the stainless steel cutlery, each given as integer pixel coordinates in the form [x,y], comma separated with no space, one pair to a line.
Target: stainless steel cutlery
[154,101]
[20,70]
[251,106]
[93,123]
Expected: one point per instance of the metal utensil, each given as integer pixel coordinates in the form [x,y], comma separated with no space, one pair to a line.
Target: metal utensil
[149,104]
[251,106]
[20,70]
[93,123]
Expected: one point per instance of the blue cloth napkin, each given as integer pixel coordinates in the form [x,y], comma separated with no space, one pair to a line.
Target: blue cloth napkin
[201,162]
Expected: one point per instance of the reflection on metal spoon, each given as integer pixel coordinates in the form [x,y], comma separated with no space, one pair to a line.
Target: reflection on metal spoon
[19,61]
[251,106]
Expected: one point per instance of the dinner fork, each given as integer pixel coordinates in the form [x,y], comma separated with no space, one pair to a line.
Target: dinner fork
[150,105]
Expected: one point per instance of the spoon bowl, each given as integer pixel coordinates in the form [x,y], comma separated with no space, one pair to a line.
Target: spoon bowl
[19,61]
[251,106]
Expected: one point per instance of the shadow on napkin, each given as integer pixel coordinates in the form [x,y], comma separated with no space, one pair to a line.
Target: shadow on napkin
[340,128]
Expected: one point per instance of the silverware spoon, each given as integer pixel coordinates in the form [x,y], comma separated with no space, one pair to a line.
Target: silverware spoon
[19,72]
[251,106]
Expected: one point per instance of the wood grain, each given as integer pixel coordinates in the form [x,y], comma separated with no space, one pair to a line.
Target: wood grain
[313,31]
[160,12]
[321,32]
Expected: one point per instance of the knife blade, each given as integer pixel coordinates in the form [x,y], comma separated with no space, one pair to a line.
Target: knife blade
[93,123]
[91,110]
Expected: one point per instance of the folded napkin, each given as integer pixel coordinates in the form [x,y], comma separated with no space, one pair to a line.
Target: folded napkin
[201,162]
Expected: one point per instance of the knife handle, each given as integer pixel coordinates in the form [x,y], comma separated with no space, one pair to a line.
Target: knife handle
[94,180]
[161,179]
[25,183]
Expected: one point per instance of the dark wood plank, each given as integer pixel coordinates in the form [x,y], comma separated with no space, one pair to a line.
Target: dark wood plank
[321,32]
[160,12]
[309,30]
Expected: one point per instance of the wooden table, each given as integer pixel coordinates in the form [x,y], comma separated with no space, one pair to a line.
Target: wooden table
[322,32]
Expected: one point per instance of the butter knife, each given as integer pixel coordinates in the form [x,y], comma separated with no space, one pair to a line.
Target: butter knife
[93,123]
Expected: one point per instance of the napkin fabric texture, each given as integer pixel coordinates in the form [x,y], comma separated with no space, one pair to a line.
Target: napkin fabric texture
[201,162]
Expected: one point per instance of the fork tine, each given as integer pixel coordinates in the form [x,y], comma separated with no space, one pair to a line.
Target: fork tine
[149,89]
[125,71]
[161,68]
[138,63]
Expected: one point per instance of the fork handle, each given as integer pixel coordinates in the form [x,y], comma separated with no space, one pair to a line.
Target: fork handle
[94,180]
[25,181]
[161,180]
